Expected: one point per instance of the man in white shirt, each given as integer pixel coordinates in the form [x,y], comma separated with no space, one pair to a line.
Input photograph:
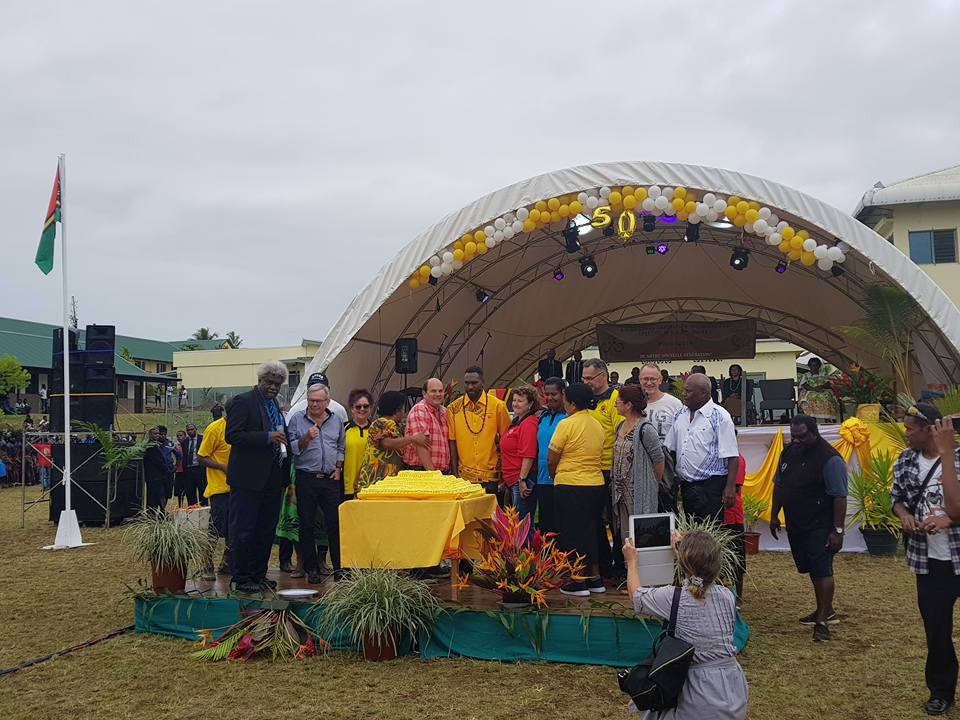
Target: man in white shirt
[661,411]
[704,441]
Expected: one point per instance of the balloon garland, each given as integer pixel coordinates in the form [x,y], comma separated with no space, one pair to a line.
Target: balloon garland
[626,202]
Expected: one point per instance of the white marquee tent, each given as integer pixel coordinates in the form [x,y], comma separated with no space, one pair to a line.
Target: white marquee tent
[529,311]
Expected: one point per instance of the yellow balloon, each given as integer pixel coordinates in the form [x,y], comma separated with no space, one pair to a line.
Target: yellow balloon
[794,254]
[627,190]
[564,211]
[689,207]
[575,207]
[424,271]
[553,204]
[677,204]
[796,243]
[482,249]
[739,221]
[541,205]
[467,237]
[534,215]
[742,207]
[529,225]
[680,192]
[414,283]
[629,202]
[458,245]
[730,212]
[457,255]
[784,246]
[751,215]
[733,200]
[787,233]
[754,205]
[555,216]
[469,249]
[479,236]
[615,198]
[640,194]
[803,234]
[682,215]
[808,258]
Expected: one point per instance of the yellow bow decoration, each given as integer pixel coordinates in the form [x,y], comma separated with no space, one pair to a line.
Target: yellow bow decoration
[854,435]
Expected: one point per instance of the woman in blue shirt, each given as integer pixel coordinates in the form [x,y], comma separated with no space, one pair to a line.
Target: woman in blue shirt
[550,417]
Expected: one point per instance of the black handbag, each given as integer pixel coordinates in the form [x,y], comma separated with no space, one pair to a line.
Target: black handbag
[656,681]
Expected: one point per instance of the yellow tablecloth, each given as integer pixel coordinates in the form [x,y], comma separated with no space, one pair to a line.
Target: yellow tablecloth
[407,533]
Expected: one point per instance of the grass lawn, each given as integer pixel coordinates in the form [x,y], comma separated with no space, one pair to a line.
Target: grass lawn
[133,422]
[873,668]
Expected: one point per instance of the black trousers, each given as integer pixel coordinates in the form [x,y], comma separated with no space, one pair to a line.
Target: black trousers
[253,524]
[194,485]
[156,493]
[547,520]
[936,594]
[704,499]
[610,558]
[318,493]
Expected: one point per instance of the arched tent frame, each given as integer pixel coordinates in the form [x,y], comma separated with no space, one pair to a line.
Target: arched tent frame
[529,311]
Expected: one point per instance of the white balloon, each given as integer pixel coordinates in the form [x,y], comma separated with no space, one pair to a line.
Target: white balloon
[765,213]
[702,209]
[747,227]
[661,202]
[668,193]
[719,206]
[842,258]
[508,232]
[774,238]
[760,227]
[488,230]
[447,268]
[825,263]
[456,264]
[781,225]
[592,202]
[694,219]
[709,199]
[517,227]
[582,198]
[834,254]
[523,214]
[499,223]
[604,192]
[711,216]
[773,220]
[843,246]
[490,242]
[436,271]
[497,237]
[510,217]
[820,251]
[434,261]
[654,191]
[669,210]
[648,204]
[447,257]
[809,244]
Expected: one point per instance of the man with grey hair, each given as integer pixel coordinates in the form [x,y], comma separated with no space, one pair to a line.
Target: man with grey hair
[317,439]
[258,472]
[704,441]
[662,410]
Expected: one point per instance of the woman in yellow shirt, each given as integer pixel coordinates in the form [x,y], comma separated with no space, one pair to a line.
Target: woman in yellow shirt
[357,433]
[574,461]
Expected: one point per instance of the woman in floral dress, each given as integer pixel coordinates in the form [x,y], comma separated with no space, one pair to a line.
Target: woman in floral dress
[383,457]
[816,397]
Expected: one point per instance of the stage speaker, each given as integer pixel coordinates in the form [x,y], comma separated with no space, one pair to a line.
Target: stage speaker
[56,411]
[97,410]
[76,356]
[99,379]
[87,476]
[99,347]
[405,356]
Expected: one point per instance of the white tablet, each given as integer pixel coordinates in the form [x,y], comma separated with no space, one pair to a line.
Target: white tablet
[651,536]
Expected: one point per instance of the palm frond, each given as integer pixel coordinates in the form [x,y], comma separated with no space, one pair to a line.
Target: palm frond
[949,404]
[729,560]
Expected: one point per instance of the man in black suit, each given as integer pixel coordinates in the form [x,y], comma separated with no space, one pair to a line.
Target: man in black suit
[549,366]
[194,474]
[575,369]
[259,471]
[157,473]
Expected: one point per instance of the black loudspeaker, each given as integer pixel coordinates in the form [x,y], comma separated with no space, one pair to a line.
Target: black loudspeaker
[56,411]
[76,356]
[97,410]
[87,477]
[100,345]
[405,356]
[99,379]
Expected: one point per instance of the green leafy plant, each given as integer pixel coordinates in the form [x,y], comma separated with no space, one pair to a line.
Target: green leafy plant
[156,539]
[277,630]
[869,488]
[113,457]
[379,605]
[12,375]
[753,508]
[729,559]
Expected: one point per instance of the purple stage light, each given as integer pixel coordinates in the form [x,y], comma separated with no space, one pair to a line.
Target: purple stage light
[667,218]
[662,248]
[558,275]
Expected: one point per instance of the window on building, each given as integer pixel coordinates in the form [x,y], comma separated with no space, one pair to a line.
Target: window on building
[932,247]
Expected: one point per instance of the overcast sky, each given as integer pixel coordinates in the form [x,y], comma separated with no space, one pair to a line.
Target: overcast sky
[249,166]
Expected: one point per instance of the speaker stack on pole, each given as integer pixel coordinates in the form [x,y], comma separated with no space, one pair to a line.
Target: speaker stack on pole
[92,378]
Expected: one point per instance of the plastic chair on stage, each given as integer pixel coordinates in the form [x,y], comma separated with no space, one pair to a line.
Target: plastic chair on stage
[777,395]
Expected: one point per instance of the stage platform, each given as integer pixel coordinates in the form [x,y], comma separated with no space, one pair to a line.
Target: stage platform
[600,630]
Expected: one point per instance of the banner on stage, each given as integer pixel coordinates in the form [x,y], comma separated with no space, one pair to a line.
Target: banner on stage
[678,340]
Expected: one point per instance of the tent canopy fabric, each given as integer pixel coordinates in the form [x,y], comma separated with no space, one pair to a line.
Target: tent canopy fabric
[529,311]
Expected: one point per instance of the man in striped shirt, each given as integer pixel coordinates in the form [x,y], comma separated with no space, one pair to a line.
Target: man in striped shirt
[704,441]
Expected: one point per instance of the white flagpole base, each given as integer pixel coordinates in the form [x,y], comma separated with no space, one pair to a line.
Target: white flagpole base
[68,531]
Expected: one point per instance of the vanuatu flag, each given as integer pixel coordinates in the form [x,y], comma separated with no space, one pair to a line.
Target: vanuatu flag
[44,257]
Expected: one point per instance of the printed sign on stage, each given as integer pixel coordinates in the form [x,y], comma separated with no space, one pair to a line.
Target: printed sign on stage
[678,340]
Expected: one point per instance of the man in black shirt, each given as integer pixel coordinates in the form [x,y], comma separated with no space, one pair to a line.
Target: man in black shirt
[549,366]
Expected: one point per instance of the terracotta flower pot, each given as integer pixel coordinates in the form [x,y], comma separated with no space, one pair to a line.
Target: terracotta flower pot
[869,412]
[751,543]
[169,580]
[379,648]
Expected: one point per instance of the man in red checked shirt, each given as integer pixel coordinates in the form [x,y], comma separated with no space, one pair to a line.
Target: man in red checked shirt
[733,521]
[429,416]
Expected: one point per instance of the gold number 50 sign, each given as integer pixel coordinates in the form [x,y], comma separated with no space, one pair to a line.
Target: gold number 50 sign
[626,223]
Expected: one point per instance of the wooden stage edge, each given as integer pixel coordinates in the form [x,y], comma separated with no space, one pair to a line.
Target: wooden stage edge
[470,597]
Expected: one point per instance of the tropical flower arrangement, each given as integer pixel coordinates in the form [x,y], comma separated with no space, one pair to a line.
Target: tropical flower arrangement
[517,568]
[277,631]
[862,387]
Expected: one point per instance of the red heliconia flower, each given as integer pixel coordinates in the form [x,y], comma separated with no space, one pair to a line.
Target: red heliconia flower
[244,648]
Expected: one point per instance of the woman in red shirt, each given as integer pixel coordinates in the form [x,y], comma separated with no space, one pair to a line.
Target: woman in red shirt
[733,521]
[518,450]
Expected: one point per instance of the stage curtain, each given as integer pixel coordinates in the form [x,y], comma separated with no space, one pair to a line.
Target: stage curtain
[407,533]
[759,484]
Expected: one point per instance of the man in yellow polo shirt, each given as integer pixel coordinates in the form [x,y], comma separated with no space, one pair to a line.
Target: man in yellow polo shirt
[214,454]
[603,409]
[477,420]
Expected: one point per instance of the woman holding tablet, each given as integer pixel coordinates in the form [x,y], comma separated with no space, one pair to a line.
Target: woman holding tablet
[573,459]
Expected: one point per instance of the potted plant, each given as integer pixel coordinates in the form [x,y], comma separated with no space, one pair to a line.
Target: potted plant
[379,608]
[522,570]
[168,547]
[869,488]
[753,508]
[869,392]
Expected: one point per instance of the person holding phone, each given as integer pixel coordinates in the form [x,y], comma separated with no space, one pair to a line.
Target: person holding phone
[518,451]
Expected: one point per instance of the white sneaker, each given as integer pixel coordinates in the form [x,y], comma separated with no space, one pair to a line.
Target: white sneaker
[595,585]
[577,589]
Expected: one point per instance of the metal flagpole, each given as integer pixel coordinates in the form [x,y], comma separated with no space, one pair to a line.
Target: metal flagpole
[68,529]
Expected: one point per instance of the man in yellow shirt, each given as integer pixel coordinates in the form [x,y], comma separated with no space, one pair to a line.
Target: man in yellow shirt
[477,420]
[603,409]
[214,454]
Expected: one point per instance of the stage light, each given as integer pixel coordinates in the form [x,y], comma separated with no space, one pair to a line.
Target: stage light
[583,224]
[571,237]
[482,296]
[781,267]
[693,232]
[649,223]
[837,271]
[588,266]
[432,280]
[662,248]
[651,249]
[722,224]
[558,274]
[739,259]
[668,219]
